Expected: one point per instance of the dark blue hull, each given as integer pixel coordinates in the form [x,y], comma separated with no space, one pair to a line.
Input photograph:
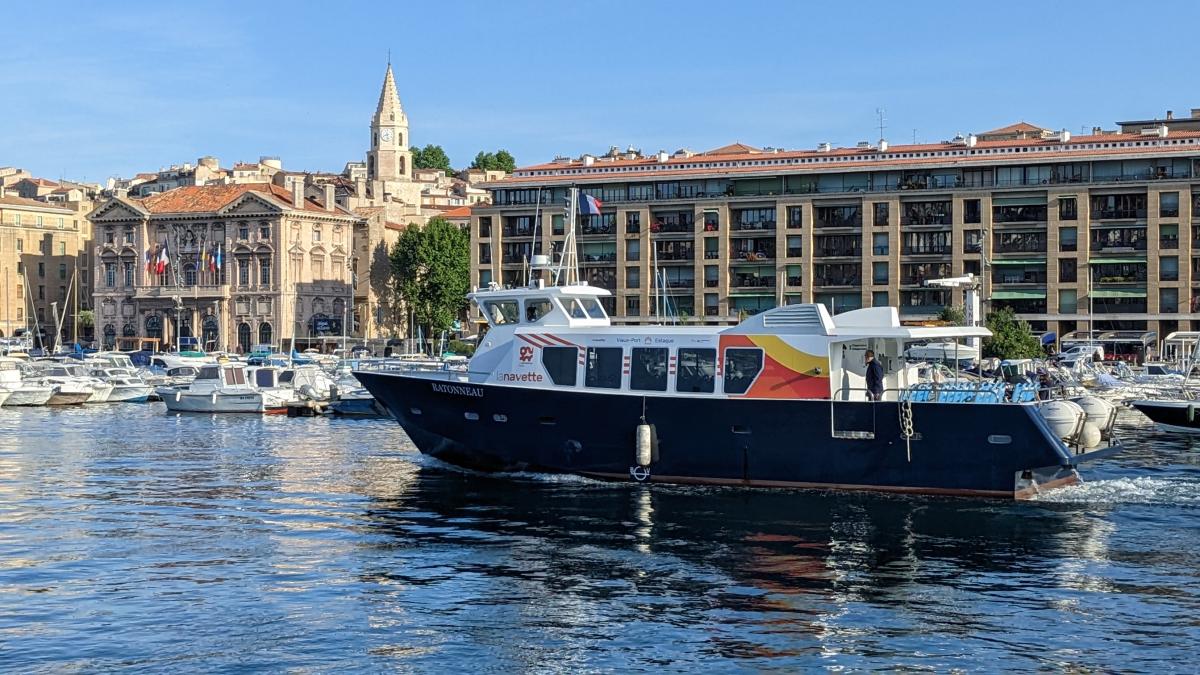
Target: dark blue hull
[959,449]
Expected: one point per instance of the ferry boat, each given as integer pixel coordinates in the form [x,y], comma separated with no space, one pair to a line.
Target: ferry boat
[779,400]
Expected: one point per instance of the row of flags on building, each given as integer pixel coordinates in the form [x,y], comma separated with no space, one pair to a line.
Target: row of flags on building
[158,259]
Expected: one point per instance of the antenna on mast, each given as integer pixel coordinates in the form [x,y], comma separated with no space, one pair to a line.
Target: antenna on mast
[879,114]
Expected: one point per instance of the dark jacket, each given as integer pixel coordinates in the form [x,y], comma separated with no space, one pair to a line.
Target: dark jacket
[874,377]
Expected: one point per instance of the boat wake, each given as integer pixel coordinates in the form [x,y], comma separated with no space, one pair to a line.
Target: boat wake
[556,478]
[1139,490]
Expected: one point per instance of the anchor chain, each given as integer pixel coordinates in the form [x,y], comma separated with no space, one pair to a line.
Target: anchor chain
[906,426]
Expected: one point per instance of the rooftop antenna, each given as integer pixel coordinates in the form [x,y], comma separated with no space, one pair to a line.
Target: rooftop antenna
[914,136]
[879,113]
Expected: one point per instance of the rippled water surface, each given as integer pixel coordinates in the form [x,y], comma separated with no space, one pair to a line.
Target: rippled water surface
[130,538]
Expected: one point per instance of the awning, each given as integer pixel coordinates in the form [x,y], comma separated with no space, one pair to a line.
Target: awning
[1020,261]
[1048,338]
[1020,294]
[1119,293]
[1114,261]
[1019,201]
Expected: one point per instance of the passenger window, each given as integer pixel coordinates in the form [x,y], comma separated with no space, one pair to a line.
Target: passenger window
[577,311]
[603,367]
[593,308]
[648,369]
[697,371]
[741,367]
[502,311]
[536,308]
[560,364]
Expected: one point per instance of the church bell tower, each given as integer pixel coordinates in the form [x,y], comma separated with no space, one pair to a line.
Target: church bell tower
[389,162]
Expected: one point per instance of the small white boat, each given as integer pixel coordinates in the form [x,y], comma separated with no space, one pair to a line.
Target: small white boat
[218,388]
[127,386]
[71,381]
[21,392]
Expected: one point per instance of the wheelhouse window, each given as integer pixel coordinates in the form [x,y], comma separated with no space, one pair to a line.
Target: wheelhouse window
[235,376]
[536,308]
[593,308]
[697,371]
[502,311]
[560,365]
[741,367]
[648,369]
[603,367]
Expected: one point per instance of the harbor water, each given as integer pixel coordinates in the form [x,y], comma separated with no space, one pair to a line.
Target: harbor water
[130,538]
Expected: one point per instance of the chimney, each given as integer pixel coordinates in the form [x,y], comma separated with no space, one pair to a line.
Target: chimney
[329,204]
[1196,113]
[1170,114]
[298,194]
[1096,131]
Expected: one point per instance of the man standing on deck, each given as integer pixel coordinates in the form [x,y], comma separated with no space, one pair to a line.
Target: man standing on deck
[874,377]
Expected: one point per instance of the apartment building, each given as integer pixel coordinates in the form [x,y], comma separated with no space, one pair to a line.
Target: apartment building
[1072,232]
[43,265]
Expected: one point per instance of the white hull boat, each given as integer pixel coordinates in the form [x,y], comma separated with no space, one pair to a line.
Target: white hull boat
[29,395]
[218,388]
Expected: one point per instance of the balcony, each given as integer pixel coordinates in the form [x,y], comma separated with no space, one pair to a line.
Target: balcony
[712,311]
[517,231]
[676,256]
[1068,246]
[837,218]
[711,283]
[760,226]
[972,247]
[595,230]
[838,252]
[597,258]
[927,213]
[485,259]
[1018,277]
[1019,214]
[837,281]
[1026,244]
[1119,244]
[751,281]
[795,281]
[1119,214]
[712,255]
[672,228]
[927,250]
[756,255]
[1118,277]
[205,291]
[795,252]
[1168,242]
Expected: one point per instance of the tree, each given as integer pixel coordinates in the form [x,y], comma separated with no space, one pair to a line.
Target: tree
[87,318]
[432,157]
[501,160]
[953,315]
[1011,337]
[431,272]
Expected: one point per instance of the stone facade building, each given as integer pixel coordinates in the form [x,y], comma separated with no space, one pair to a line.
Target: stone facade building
[43,261]
[1073,232]
[283,269]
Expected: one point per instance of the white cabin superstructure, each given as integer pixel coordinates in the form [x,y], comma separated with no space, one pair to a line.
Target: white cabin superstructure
[559,336]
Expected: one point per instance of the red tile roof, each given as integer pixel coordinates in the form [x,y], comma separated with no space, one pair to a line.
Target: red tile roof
[733,149]
[210,198]
[13,200]
[42,182]
[395,226]
[457,212]
[815,161]
[1019,127]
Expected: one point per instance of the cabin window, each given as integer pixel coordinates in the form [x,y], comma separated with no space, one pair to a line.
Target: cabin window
[648,369]
[741,367]
[235,376]
[560,364]
[593,308]
[262,378]
[697,371]
[577,311]
[287,376]
[536,308]
[208,374]
[603,367]
[502,311]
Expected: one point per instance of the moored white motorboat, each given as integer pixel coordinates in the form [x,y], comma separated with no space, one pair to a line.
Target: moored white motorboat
[21,392]
[218,388]
[127,386]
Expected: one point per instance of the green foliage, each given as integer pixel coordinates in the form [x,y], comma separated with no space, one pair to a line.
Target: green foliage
[501,160]
[953,315]
[1011,337]
[462,348]
[431,272]
[432,157]
[87,318]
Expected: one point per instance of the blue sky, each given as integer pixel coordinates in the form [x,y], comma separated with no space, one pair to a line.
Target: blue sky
[99,89]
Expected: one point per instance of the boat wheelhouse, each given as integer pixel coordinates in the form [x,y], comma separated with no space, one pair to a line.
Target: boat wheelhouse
[779,400]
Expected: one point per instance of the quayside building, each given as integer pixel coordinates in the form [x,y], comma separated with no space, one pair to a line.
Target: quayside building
[1099,231]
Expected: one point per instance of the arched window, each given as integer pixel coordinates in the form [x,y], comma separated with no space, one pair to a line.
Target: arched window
[318,306]
[339,308]
[129,330]
[210,333]
[110,335]
[244,337]
[264,334]
[154,326]
[189,274]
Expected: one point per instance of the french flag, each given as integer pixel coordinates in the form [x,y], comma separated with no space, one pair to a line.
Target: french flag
[589,205]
